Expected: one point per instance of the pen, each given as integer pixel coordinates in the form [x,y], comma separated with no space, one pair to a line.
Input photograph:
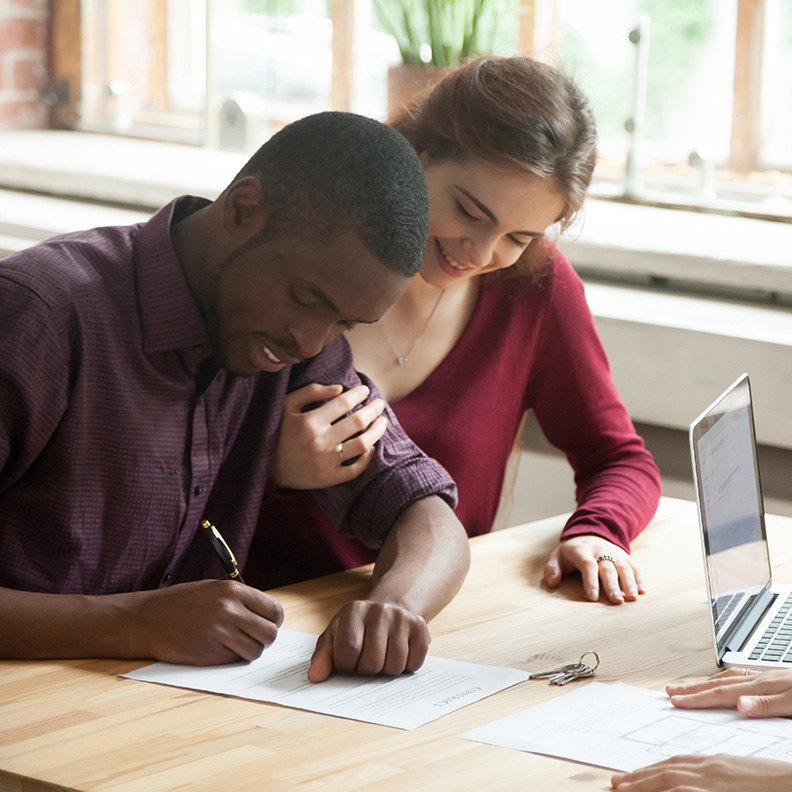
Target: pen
[227,558]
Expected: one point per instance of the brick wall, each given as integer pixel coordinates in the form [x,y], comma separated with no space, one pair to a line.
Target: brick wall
[23,63]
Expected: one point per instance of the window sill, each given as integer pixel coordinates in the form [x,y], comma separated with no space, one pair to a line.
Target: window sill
[688,248]
[143,174]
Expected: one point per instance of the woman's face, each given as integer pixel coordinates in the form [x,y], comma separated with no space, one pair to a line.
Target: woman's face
[482,217]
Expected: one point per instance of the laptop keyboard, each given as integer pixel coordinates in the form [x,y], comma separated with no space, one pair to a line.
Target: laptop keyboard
[776,644]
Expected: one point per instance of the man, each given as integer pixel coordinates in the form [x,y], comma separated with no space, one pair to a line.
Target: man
[142,376]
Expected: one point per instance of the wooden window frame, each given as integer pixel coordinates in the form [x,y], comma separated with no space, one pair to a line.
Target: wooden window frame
[65,52]
[536,23]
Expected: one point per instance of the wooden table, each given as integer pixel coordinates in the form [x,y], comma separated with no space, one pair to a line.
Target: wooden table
[77,725]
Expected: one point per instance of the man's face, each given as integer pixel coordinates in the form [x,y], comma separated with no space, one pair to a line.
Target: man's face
[283,300]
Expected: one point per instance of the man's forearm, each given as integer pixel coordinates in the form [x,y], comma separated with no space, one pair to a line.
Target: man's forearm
[424,560]
[37,626]
[206,622]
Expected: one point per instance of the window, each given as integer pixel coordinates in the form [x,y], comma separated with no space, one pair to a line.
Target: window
[695,95]
[707,91]
[141,68]
[776,145]
[226,74]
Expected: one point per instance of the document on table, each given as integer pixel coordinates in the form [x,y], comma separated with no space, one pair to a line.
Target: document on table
[623,728]
[280,676]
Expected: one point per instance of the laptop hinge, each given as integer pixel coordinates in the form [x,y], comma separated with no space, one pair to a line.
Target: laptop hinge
[750,620]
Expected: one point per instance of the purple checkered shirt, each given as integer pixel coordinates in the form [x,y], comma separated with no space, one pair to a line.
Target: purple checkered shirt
[115,441]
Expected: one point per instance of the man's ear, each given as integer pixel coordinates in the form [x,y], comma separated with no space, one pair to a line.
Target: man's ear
[243,207]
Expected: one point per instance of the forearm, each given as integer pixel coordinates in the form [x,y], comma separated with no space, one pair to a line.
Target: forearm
[206,622]
[424,560]
[45,626]
[617,504]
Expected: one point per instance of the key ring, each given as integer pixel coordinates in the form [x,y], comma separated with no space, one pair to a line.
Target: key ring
[586,654]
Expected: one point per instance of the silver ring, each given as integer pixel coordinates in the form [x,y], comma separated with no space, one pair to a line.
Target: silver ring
[606,557]
[339,449]
[586,654]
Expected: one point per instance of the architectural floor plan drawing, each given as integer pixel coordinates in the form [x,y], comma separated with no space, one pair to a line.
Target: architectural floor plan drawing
[622,728]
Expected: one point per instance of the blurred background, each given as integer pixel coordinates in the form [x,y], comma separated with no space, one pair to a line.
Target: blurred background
[108,108]
[705,84]
[693,93]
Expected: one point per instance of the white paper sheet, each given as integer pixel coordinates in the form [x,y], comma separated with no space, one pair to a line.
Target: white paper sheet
[623,728]
[280,676]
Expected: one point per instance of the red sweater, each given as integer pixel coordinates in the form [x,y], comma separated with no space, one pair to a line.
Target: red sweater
[530,344]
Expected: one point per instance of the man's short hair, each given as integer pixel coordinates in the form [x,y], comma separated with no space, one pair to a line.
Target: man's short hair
[331,173]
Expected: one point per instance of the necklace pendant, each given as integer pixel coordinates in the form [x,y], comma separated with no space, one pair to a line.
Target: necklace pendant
[402,360]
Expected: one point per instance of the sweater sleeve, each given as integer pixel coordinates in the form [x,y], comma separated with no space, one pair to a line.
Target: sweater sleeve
[580,413]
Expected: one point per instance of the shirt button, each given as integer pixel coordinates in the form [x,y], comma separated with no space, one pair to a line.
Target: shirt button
[197,490]
[167,577]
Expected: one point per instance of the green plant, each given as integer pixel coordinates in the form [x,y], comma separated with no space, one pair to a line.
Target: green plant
[441,32]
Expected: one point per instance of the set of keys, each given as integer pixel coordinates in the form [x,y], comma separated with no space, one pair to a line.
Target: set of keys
[569,672]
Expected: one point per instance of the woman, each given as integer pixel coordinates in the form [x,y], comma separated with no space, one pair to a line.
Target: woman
[754,694]
[496,324]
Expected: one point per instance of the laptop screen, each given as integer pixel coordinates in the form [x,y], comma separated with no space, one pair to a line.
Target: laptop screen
[728,488]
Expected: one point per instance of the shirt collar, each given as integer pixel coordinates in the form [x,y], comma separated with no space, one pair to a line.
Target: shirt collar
[170,317]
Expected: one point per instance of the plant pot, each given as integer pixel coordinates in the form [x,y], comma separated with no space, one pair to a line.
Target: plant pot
[406,83]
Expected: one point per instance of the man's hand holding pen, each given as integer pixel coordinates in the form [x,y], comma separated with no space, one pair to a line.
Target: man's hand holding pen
[206,622]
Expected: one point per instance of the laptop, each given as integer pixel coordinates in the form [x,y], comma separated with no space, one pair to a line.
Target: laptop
[751,616]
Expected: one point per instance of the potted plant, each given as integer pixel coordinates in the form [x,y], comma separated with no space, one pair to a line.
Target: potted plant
[433,36]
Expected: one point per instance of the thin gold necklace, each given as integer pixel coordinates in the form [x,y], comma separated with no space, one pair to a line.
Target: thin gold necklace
[402,359]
